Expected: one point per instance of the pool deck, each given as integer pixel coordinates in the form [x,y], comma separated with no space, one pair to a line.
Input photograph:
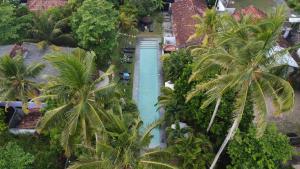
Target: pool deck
[135,91]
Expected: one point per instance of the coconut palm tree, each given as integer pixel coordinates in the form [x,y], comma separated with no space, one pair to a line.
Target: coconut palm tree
[206,26]
[245,55]
[47,29]
[124,147]
[78,95]
[17,79]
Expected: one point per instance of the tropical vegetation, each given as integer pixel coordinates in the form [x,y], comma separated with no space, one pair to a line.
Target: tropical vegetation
[215,117]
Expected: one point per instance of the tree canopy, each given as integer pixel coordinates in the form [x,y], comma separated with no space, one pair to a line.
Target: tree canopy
[95,25]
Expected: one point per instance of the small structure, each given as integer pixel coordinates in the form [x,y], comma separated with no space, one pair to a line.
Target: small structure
[169,44]
[37,5]
[169,84]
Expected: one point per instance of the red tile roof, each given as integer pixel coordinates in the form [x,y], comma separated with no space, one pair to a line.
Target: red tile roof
[183,23]
[35,5]
[250,10]
[30,120]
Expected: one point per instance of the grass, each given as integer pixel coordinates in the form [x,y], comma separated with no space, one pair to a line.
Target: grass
[126,88]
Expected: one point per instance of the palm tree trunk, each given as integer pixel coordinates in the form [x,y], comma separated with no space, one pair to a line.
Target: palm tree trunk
[228,137]
[214,114]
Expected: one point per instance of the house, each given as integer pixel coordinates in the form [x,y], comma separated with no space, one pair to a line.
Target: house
[37,5]
[18,121]
[182,22]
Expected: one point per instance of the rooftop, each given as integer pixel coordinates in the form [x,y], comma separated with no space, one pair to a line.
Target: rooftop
[36,5]
[36,55]
[250,10]
[183,23]
[30,120]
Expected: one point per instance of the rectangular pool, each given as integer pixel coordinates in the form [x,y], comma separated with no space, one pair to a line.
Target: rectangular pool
[149,85]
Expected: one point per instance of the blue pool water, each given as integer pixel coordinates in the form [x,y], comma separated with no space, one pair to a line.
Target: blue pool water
[148,86]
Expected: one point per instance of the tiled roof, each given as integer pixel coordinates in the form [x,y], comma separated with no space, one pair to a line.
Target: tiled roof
[250,10]
[35,5]
[30,120]
[183,23]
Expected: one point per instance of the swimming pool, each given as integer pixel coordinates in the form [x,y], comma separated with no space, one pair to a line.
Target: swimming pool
[148,85]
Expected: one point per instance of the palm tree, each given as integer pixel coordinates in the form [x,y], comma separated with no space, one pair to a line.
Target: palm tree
[247,67]
[17,79]
[123,148]
[79,107]
[47,29]
[206,26]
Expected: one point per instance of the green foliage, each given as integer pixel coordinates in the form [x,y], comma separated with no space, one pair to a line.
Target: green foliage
[198,118]
[53,27]
[174,63]
[122,145]
[128,18]
[95,26]
[16,79]
[3,125]
[192,152]
[79,100]
[267,152]
[294,4]
[46,154]
[13,156]
[13,22]
[147,7]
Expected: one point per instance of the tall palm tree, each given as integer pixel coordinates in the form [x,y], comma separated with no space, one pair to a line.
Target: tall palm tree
[123,148]
[206,26]
[47,29]
[17,79]
[79,107]
[243,54]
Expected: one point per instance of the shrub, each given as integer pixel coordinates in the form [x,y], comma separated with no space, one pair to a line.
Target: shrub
[269,151]
[3,125]
[13,22]
[192,152]
[13,156]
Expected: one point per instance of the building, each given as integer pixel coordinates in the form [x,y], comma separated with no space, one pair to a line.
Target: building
[37,5]
[20,122]
[182,22]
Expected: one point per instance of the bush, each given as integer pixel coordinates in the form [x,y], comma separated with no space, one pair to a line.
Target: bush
[46,155]
[13,156]
[192,152]
[3,125]
[198,118]
[174,63]
[269,151]
[13,22]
